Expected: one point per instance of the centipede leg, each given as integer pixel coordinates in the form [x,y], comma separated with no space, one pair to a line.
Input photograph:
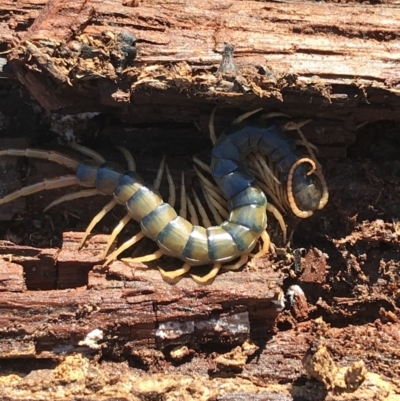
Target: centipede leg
[147,258]
[122,223]
[265,247]
[173,275]
[276,213]
[136,238]
[87,152]
[76,195]
[241,262]
[171,187]
[52,183]
[243,116]
[96,219]
[211,128]
[128,157]
[209,277]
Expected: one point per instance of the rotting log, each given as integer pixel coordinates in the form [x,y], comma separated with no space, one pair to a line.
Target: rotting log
[331,61]
[335,64]
[130,305]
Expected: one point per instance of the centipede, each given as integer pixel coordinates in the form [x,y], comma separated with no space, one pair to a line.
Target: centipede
[236,186]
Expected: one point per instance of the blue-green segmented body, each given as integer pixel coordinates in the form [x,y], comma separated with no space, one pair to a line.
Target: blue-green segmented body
[238,235]
[174,235]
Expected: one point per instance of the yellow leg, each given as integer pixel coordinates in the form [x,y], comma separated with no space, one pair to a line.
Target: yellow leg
[202,211]
[208,278]
[243,116]
[171,186]
[122,248]
[115,232]
[192,211]
[215,206]
[265,247]
[96,219]
[241,262]
[174,274]
[183,208]
[211,126]
[52,183]
[76,195]
[160,173]
[277,214]
[146,258]
[205,167]
[129,158]
[87,152]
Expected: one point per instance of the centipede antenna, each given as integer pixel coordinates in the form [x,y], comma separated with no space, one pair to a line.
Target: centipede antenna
[85,193]
[306,144]
[292,203]
[278,216]
[243,116]
[87,152]
[50,155]
[236,266]
[147,258]
[160,173]
[118,228]
[201,164]
[174,274]
[183,202]
[123,247]
[128,157]
[310,148]
[202,211]
[96,219]
[171,186]
[192,211]
[217,217]
[208,278]
[52,183]
[211,128]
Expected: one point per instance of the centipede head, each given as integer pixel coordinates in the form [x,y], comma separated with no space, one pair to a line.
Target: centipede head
[307,189]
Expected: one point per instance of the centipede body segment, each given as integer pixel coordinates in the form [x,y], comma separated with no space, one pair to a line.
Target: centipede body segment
[175,236]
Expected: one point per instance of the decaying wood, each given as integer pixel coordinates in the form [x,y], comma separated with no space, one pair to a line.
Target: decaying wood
[335,64]
[334,61]
[130,305]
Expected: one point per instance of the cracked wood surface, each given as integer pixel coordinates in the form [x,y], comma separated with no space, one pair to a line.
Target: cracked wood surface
[320,54]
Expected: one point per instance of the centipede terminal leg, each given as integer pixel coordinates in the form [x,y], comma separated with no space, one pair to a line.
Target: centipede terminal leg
[47,184]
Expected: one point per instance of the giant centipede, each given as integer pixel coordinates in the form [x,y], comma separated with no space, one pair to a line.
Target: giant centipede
[176,236]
